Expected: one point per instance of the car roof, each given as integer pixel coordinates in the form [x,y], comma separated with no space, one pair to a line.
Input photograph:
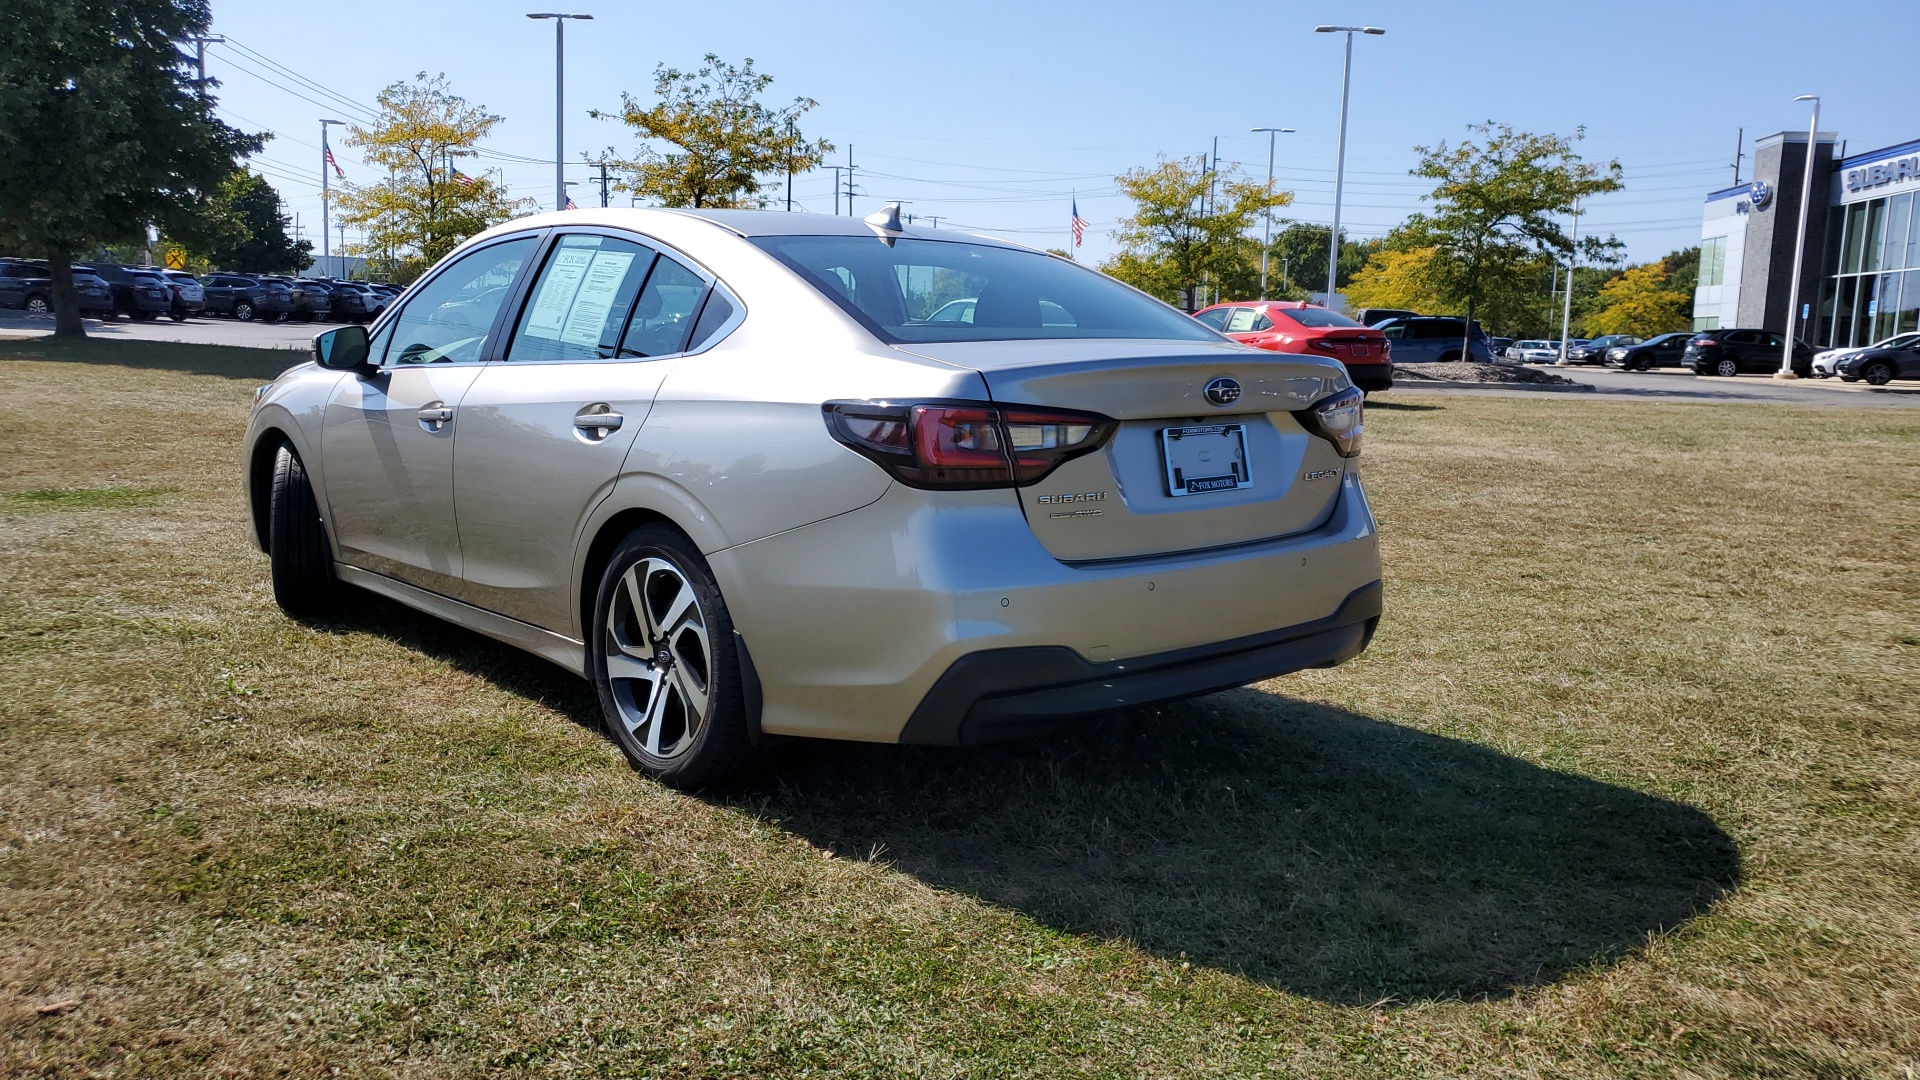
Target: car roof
[743,223]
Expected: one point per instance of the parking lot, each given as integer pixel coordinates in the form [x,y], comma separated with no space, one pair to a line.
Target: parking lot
[1673,384]
[259,334]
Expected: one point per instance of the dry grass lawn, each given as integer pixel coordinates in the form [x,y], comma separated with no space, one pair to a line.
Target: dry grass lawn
[1629,785]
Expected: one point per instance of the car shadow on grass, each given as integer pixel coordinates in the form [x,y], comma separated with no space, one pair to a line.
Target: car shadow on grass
[1309,848]
[223,361]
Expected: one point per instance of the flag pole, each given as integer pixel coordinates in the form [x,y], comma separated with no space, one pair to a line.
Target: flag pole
[1072,252]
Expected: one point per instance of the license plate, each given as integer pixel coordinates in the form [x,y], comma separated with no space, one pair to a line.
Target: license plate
[1204,459]
[1362,350]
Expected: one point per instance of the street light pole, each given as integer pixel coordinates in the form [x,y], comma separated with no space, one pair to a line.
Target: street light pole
[326,188]
[1799,245]
[1566,313]
[1267,243]
[559,101]
[1340,164]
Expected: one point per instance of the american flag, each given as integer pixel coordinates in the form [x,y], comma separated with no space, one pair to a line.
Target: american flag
[337,171]
[1079,223]
[571,205]
[465,180]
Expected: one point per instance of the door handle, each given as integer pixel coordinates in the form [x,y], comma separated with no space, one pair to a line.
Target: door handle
[434,415]
[600,422]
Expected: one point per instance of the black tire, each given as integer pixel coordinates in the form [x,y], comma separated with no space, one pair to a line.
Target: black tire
[708,749]
[243,311]
[38,307]
[303,581]
[1877,372]
[1726,367]
[177,316]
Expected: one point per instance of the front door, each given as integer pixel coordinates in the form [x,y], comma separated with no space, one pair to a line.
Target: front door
[543,434]
[387,440]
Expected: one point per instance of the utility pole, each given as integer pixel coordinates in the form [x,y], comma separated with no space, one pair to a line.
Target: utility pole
[1340,159]
[1267,242]
[559,101]
[850,168]
[789,164]
[935,218]
[1739,151]
[605,193]
[836,189]
[200,43]
[326,188]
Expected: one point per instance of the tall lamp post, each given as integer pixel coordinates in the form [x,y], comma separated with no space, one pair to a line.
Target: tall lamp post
[1799,245]
[326,187]
[1340,165]
[1267,243]
[559,101]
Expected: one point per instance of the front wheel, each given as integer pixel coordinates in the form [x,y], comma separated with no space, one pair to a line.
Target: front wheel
[1877,373]
[38,308]
[303,581]
[665,664]
[243,311]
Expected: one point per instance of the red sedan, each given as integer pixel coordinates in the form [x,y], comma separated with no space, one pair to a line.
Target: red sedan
[1291,326]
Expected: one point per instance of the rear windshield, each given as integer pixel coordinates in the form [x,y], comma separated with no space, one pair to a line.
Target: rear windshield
[1317,317]
[939,291]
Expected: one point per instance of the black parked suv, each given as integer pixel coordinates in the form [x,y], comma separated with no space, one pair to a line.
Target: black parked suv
[350,304]
[246,298]
[1595,350]
[137,294]
[189,296]
[1732,351]
[311,300]
[25,287]
[1662,351]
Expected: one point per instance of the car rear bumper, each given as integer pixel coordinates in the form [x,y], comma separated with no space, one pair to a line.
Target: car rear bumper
[861,626]
[1372,377]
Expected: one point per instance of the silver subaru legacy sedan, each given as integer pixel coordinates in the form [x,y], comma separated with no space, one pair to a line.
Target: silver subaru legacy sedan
[730,467]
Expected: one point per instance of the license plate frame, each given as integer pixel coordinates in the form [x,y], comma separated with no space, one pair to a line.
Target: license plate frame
[1181,450]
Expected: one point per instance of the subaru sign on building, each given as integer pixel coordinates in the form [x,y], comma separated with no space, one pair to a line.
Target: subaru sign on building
[1862,244]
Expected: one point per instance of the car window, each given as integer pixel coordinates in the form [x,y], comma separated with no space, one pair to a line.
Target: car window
[449,319]
[1247,321]
[1777,340]
[1217,318]
[1317,317]
[712,317]
[894,290]
[663,317]
[581,301]
[1396,332]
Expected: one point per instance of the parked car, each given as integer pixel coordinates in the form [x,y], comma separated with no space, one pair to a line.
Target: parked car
[1500,345]
[1533,351]
[95,295]
[189,296]
[378,298]
[1826,360]
[961,311]
[349,303]
[25,287]
[1594,351]
[137,294]
[743,429]
[1428,339]
[1374,316]
[1291,326]
[245,297]
[311,300]
[1880,364]
[1665,350]
[1730,351]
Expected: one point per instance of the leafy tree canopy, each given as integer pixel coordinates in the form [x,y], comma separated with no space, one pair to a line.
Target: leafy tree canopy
[1189,227]
[245,229]
[723,142]
[1302,249]
[1653,298]
[1395,278]
[422,210]
[104,130]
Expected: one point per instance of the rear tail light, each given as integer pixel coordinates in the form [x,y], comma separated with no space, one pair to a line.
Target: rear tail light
[1703,341]
[1323,345]
[1338,418]
[965,444]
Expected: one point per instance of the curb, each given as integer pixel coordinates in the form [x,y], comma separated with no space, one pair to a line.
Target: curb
[1440,384]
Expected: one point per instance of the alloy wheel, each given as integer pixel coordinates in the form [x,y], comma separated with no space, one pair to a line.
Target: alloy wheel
[659,658]
[1726,368]
[38,307]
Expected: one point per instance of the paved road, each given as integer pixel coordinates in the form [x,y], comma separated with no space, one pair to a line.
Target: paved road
[254,335]
[1673,384]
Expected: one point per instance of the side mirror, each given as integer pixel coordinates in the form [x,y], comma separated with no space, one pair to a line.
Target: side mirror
[343,349]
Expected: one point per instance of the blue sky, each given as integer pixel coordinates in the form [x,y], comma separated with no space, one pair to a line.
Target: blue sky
[992,114]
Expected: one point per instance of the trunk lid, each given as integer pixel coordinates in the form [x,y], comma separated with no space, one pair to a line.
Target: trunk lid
[1126,500]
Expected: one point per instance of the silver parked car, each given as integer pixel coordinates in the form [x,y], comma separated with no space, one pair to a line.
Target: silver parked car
[727,466]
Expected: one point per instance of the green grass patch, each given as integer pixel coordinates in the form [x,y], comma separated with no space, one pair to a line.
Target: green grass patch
[225,361]
[42,500]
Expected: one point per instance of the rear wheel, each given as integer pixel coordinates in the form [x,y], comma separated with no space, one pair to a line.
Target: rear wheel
[663,659]
[1877,372]
[303,582]
[1726,367]
[177,316]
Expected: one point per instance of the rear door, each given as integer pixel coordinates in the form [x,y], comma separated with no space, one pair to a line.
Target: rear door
[1183,472]
[543,433]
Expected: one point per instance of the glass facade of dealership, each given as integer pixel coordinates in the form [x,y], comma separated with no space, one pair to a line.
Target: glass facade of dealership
[1870,285]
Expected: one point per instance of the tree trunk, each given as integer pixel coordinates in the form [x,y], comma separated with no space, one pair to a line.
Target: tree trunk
[1466,332]
[66,302]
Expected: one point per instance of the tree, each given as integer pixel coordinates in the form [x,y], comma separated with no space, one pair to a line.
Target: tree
[726,142]
[245,228]
[104,131]
[1653,298]
[1495,217]
[1189,226]
[426,206]
[1303,248]
[1395,278]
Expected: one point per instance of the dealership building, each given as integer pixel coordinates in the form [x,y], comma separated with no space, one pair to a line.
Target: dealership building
[1860,277]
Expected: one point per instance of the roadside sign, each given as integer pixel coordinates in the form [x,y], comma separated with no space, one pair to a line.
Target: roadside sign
[1806,310]
[1873,308]
[176,259]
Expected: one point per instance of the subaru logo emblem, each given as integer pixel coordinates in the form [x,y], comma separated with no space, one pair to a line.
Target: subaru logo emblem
[1223,391]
